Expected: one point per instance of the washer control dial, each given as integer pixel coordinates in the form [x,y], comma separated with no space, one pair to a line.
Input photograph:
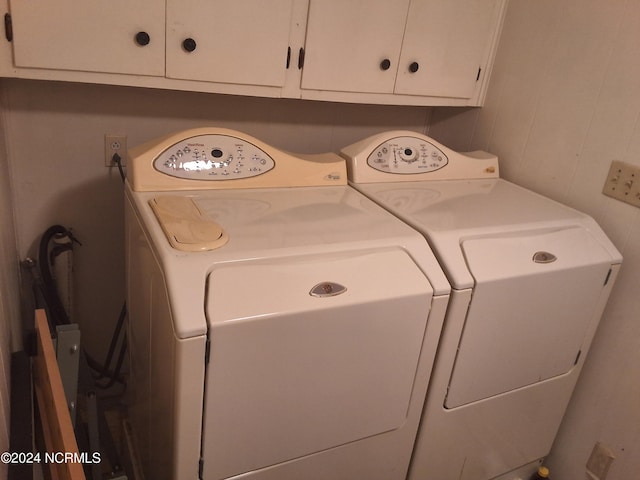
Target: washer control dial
[213,157]
[407,155]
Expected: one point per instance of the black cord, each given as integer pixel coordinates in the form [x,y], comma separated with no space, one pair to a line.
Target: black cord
[118,161]
[114,341]
[49,289]
[103,370]
[115,377]
[56,312]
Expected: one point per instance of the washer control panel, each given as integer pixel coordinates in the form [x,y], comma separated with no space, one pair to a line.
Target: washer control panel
[213,157]
[407,155]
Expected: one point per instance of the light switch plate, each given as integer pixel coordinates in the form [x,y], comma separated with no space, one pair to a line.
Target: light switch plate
[623,183]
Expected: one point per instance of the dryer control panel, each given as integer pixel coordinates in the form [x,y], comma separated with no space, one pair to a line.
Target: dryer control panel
[407,155]
[213,157]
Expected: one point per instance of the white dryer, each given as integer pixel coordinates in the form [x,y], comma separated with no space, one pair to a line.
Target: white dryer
[530,278]
[281,324]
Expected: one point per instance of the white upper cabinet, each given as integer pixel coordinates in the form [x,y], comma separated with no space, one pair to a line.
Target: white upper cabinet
[446,46]
[432,48]
[405,52]
[353,46]
[240,42]
[114,36]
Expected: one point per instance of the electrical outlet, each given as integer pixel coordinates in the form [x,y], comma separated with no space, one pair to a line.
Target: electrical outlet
[114,144]
[623,183]
[599,462]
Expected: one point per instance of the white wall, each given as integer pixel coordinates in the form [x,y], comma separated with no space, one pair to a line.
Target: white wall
[564,101]
[55,136]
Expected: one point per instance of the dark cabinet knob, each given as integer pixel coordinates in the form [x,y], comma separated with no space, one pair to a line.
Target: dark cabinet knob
[413,68]
[189,44]
[385,64]
[142,38]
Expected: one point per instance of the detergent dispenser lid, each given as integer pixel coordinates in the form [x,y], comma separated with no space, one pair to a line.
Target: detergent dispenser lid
[185,226]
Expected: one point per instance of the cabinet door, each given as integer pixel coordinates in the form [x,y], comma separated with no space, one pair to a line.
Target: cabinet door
[445,45]
[241,42]
[91,36]
[347,43]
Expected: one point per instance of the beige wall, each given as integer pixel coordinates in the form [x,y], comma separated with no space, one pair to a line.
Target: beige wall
[564,101]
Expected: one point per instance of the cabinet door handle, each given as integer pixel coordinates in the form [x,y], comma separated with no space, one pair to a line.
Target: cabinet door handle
[142,38]
[413,67]
[300,58]
[189,44]
[8,27]
[385,64]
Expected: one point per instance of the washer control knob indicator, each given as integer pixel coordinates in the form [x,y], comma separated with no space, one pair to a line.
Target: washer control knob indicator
[407,156]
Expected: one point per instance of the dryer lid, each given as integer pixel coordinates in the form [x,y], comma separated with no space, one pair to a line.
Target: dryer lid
[515,254]
[533,303]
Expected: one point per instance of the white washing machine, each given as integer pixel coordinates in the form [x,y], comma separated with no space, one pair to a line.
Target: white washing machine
[281,324]
[530,278]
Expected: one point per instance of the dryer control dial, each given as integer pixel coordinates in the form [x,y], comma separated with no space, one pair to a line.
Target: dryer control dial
[407,155]
[213,157]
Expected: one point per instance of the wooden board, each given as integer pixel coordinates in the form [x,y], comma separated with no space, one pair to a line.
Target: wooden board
[58,431]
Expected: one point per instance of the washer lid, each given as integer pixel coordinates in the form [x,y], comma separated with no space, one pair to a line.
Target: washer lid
[276,223]
[293,373]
